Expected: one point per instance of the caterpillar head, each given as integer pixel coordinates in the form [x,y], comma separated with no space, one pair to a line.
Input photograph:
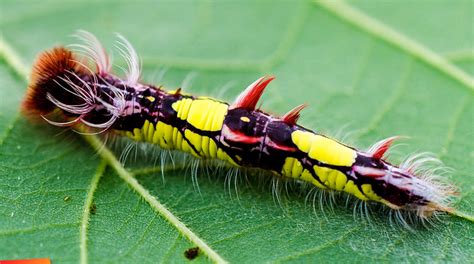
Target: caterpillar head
[63,89]
[51,71]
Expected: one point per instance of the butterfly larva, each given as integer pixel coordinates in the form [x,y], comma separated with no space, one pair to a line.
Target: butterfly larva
[66,92]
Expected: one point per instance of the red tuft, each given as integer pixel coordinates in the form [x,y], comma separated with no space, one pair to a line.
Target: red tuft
[379,150]
[49,65]
[248,99]
[293,115]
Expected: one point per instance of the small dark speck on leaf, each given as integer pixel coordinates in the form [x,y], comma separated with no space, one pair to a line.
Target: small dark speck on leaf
[191,253]
[93,208]
[67,198]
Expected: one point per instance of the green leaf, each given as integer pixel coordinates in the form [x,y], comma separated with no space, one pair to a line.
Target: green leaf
[370,68]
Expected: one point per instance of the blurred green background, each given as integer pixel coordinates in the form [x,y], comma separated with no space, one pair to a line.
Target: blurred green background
[357,80]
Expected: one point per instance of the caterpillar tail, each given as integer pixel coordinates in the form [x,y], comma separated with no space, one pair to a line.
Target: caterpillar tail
[66,91]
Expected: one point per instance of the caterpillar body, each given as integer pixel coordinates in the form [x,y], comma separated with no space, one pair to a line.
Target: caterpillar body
[65,91]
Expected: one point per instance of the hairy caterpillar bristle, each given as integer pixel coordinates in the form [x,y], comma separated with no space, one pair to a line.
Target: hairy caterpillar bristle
[49,65]
[93,51]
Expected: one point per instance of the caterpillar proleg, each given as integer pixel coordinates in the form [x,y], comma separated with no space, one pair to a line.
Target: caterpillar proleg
[65,91]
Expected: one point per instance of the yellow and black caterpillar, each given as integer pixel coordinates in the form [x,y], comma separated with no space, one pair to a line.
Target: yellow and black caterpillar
[66,92]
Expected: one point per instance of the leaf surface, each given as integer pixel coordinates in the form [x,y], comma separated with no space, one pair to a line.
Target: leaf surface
[58,200]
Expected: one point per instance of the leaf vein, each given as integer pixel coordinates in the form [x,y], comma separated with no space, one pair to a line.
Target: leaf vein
[245,231]
[316,249]
[453,125]
[86,211]
[169,251]
[390,102]
[376,28]
[288,41]
[35,228]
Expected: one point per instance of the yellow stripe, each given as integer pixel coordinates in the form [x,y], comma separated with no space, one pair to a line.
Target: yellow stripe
[308,177]
[367,189]
[205,115]
[287,169]
[353,189]
[323,149]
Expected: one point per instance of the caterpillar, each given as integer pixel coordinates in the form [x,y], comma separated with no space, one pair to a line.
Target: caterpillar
[66,91]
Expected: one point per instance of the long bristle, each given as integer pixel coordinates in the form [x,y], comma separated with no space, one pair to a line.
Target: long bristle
[48,66]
